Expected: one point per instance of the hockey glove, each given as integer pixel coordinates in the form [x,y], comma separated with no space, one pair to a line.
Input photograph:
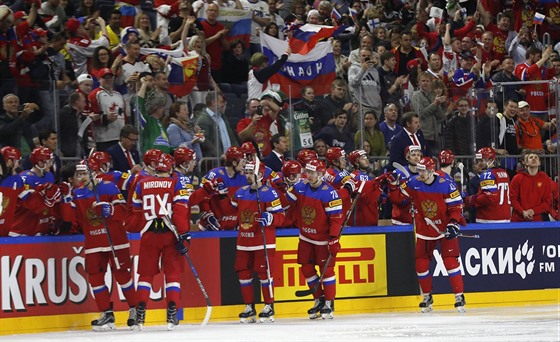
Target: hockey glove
[352,185]
[221,186]
[452,230]
[66,191]
[103,209]
[184,243]
[209,222]
[281,186]
[264,219]
[52,195]
[334,245]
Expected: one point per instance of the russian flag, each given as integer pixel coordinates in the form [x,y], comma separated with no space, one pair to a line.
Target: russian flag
[538,19]
[183,75]
[316,69]
[353,14]
[238,22]
[335,15]
[305,38]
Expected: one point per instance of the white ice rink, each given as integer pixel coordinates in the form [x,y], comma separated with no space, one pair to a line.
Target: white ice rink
[522,323]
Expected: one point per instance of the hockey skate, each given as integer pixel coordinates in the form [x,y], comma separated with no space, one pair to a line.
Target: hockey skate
[104,323]
[140,315]
[327,310]
[315,311]
[131,322]
[267,313]
[172,320]
[249,314]
[426,303]
[460,303]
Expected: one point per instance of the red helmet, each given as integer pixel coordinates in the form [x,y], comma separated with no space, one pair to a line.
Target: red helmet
[248,148]
[291,167]
[40,154]
[251,165]
[446,157]
[165,163]
[306,155]
[81,166]
[355,155]
[234,153]
[9,152]
[334,153]
[98,159]
[152,156]
[427,163]
[486,153]
[316,165]
[412,148]
[184,154]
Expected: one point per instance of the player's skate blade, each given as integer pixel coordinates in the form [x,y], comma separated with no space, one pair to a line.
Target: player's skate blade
[315,311]
[104,323]
[249,315]
[460,303]
[327,311]
[426,304]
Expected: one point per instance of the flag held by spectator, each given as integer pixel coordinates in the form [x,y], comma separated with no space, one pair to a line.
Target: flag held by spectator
[538,19]
[238,22]
[335,15]
[353,14]
[316,69]
[183,75]
[305,38]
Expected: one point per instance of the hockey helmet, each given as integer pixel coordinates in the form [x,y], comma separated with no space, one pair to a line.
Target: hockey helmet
[316,165]
[40,154]
[165,163]
[81,166]
[98,159]
[9,152]
[486,153]
[291,167]
[411,148]
[234,153]
[306,155]
[355,155]
[334,153]
[248,148]
[152,156]
[427,163]
[446,157]
[252,165]
[184,155]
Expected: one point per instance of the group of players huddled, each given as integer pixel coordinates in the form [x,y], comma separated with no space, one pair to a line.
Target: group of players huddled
[244,195]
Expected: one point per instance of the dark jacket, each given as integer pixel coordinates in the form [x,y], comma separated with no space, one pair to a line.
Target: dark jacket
[399,143]
[457,135]
[11,130]
[120,161]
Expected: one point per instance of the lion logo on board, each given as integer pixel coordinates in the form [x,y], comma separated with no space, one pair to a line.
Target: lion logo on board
[246,219]
[308,214]
[429,208]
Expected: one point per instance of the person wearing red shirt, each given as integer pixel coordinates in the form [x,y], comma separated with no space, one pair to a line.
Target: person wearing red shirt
[534,70]
[216,42]
[531,195]
[502,33]
[528,128]
[257,127]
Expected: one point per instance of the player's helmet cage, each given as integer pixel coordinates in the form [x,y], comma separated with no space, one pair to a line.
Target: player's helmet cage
[152,156]
[427,163]
[354,156]
[234,153]
[165,163]
[446,157]
[291,167]
[334,153]
[252,165]
[184,154]
[306,155]
[9,152]
[486,153]
[98,159]
[40,154]
[316,165]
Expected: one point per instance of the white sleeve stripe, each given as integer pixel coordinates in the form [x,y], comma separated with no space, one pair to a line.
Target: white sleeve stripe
[338,207]
[452,200]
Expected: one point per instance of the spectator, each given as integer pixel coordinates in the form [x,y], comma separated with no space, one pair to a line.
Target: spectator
[316,111]
[337,134]
[469,75]
[261,72]
[111,106]
[125,155]
[131,65]
[501,31]
[488,127]
[390,127]
[260,18]
[458,133]
[366,42]
[216,128]
[54,14]
[365,82]
[392,86]
[276,159]
[161,85]
[72,117]
[102,58]
[530,191]
[182,131]
[114,29]
[506,92]
[528,128]
[15,122]
[485,52]
[204,80]
[432,112]
[320,147]
[79,46]
[237,71]
[523,41]
[373,135]
[148,38]
[404,53]
[336,101]
[215,33]
[410,135]
[150,107]
[435,67]
[342,62]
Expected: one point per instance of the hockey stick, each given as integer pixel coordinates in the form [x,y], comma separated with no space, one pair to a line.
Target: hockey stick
[461,167]
[268,275]
[433,225]
[171,227]
[307,292]
[401,169]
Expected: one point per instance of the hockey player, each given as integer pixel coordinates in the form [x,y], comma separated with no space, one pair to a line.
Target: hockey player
[320,221]
[100,210]
[304,156]
[250,152]
[160,207]
[291,172]
[100,165]
[218,213]
[436,221]
[337,174]
[40,220]
[367,208]
[402,207]
[259,210]
[492,202]
[446,159]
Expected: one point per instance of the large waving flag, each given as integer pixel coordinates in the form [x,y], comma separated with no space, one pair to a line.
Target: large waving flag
[304,38]
[183,75]
[238,22]
[316,68]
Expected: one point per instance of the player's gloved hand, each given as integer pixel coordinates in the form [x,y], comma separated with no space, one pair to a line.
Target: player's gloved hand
[66,191]
[452,230]
[281,186]
[184,243]
[469,201]
[221,186]
[51,195]
[264,219]
[393,179]
[382,179]
[334,245]
[103,209]
[209,222]
[352,185]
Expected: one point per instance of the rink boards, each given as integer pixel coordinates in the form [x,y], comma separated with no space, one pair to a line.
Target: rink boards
[44,286]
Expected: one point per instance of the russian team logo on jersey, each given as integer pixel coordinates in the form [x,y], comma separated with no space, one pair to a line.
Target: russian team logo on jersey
[308,214]
[246,219]
[429,208]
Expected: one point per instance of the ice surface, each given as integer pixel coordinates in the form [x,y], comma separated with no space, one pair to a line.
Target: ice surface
[522,323]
